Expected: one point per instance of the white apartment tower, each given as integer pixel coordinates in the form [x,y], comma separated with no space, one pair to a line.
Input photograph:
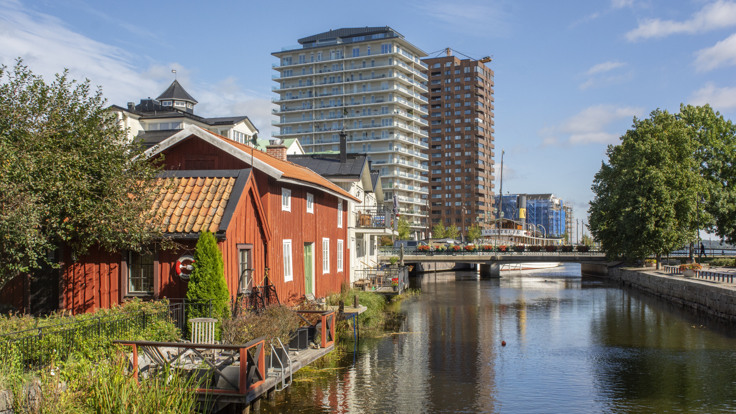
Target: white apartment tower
[370,83]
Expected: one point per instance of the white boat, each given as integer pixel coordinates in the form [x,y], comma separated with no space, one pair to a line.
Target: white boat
[529,266]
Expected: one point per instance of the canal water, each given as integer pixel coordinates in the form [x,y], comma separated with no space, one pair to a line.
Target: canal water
[572,345]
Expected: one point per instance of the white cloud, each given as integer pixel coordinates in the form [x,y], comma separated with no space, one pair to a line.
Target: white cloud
[722,53]
[47,47]
[467,16]
[619,4]
[719,98]
[712,16]
[589,126]
[604,67]
[600,75]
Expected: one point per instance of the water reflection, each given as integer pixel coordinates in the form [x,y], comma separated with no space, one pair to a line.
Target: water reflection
[572,345]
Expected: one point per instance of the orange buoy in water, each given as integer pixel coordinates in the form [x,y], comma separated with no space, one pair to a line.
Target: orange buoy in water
[503,343]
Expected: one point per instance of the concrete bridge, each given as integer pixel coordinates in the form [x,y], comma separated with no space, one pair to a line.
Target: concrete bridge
[592,262]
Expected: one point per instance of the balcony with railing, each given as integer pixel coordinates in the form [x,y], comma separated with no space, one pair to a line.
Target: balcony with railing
[376,218]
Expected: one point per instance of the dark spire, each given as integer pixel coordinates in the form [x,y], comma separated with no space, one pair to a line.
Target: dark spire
[176,92]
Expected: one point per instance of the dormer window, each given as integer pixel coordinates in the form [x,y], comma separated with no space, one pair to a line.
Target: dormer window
[181,104]
[166,103]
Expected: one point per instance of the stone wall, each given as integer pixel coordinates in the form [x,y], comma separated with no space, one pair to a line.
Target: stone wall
[708,297]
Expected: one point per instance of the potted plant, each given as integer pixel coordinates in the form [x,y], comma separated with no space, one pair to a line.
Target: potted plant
[423,248]
[487,248]
[582,248]
[550,249]
[470,248]
[393,260]
[689,269]
[502,248]
[535,248]
[519,248]
[395,283]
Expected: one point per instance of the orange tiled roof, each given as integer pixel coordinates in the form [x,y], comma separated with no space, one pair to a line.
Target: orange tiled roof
[192,204]
[289,170]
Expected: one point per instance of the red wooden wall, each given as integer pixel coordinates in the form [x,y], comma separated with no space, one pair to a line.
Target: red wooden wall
[95,281]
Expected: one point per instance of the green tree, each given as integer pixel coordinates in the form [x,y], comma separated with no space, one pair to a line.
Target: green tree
[404,229]
[474,232]
[207,281]
[715,140]
[587,240]
[438,231]
[452,232]
[645,196]
[68,176]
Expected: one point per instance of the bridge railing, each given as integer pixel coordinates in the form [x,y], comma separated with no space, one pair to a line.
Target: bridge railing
[463,251]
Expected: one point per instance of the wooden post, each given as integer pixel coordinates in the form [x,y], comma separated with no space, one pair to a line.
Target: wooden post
[135,362]
[242,384]
[355,301]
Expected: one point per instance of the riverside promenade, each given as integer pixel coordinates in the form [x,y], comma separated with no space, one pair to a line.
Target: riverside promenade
[715,298]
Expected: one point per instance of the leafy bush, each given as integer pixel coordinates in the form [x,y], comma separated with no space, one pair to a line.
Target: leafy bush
[535,248]
[583,248]
[207,281]
[519,248]
[276,321]
[550,249]
[88,335]
[723,262]
[566,248]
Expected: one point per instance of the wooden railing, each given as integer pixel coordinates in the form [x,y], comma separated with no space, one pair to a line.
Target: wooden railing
[327,329]
[251,359]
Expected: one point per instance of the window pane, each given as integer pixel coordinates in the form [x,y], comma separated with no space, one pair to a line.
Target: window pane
[140,273]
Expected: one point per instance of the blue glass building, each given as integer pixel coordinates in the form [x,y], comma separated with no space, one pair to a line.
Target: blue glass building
[543,210]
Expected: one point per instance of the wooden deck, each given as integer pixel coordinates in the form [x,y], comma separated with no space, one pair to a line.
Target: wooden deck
[235,374]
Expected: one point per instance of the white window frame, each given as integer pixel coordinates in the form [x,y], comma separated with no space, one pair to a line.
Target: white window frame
[285,199]
[310,203]
[340,254]
[288,261]
[325,255]
[339,214]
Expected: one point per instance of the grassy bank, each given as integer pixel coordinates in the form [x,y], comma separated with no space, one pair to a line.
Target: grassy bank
[74,367]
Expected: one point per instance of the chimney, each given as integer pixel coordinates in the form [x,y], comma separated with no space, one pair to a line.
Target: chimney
[277,150]
[343,147]
[131,106]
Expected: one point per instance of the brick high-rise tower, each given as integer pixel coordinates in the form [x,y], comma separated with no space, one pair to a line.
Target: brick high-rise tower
[460,106]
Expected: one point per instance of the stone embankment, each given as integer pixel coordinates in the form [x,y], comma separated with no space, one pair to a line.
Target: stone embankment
[712,298]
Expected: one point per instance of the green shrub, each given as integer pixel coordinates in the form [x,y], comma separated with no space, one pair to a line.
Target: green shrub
[372,320]
[207,282]
[722,262]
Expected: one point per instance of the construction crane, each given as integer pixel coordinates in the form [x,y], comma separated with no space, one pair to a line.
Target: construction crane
[448,52]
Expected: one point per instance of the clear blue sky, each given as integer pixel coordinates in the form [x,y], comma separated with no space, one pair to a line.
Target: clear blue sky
[570,75]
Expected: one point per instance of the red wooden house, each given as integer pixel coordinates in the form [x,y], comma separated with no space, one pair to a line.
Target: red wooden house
[265,212]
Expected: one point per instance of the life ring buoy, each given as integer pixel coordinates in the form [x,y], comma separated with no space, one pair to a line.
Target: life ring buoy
[184,266]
